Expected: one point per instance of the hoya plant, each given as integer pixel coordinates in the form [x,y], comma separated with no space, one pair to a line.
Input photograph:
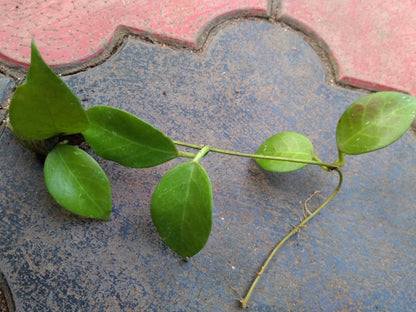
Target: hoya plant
[45,116]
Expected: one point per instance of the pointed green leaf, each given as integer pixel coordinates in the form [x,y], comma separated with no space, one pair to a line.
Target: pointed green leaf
[286,144]
[122,137]
[77,182]
[181,208]
[375,121]
[44,106]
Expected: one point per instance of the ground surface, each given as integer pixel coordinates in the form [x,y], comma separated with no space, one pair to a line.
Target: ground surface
[371,42]
[3,303]
[228,74]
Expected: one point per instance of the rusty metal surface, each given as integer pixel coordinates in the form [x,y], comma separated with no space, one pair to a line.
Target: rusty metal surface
[253,79]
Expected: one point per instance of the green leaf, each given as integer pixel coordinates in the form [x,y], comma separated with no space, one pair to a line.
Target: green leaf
[375,121]
[181,208]
[77,182]
[44,106]
[122,137]
[291,145]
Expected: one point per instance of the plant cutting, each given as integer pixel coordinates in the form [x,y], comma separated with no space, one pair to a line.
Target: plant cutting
[46,116]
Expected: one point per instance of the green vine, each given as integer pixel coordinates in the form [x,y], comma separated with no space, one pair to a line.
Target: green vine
[44,114]
[244,301]
[316,161]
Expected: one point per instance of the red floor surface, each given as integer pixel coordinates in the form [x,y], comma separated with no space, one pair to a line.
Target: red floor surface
[372,43]
[69,31]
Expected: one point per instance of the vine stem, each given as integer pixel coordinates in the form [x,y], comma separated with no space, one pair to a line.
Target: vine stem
[186,154]
[227,152]
[244,301]
[205,150]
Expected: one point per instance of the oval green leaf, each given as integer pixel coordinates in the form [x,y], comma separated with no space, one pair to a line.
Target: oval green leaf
[122,137]
[291,145]
[375,121]
[77,182]
[44,106]
[181,208]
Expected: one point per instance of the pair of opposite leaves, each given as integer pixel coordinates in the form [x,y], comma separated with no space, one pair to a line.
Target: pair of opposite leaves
[45,107]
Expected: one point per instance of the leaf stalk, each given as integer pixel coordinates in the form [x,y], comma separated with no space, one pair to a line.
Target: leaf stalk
[201,153]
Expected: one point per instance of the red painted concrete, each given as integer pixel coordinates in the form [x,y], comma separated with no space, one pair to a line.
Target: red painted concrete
[373,42]
[68,31]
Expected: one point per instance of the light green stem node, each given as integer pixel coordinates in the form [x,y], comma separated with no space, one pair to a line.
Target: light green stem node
[323,167]
[341,159]
[201,153]
[244,301]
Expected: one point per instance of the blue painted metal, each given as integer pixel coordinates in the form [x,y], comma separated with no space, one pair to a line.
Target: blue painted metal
[252,80]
